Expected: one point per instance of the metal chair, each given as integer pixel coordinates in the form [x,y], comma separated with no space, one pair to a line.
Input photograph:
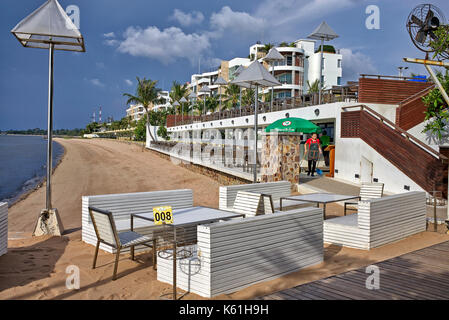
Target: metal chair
[367,191]
[106,232]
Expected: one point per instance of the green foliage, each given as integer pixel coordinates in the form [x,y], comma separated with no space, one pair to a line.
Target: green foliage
[326,48]
[314,87]
[212,103]
[232,95]
[441,44]
[162,132]
[437,110]
[42,132]
[140,131]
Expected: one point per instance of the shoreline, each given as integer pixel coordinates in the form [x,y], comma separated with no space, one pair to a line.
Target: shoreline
[40,183]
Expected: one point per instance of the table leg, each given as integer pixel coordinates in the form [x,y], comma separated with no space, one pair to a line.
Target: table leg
[324,211]
[174,264]
[132,223]
[280,204]
[154,254]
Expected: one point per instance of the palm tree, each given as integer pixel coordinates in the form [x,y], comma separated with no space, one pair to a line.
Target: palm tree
[314,87]
[248,97]
[232,95]
[267,47]
[177,92]
[199,107]
[147,94]
[212,103]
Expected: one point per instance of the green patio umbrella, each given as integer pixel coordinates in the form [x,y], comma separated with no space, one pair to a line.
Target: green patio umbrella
[293,125]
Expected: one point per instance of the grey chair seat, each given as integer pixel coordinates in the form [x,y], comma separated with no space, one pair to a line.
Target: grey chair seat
[130,238]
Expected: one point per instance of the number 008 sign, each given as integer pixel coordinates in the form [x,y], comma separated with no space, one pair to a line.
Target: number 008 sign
[163,215]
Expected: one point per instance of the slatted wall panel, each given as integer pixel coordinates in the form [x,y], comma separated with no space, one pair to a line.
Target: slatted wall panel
[411,113]
[276,189]
[388,91]
[123,205]
[350,124]
[235,254]
[3,228]
[379,221]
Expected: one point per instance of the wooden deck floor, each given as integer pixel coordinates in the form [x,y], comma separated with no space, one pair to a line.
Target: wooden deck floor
[422,274]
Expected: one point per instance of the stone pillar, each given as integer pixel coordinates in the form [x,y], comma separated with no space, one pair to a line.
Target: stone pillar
[280,157]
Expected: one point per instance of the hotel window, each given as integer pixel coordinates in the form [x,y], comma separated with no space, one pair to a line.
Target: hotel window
[289,60]
[285,78]
[322,64]
[339,81]
[339,63]
[283,94]
[322,80]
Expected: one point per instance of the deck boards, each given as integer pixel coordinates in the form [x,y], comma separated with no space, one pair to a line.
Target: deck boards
[422,274]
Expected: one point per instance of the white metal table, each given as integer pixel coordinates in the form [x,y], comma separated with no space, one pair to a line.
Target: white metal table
[323,198]
[182,218]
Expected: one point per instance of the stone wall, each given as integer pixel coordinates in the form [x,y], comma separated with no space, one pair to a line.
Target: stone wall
[280,157]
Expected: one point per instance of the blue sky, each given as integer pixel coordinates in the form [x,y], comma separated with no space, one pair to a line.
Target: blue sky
[163,40]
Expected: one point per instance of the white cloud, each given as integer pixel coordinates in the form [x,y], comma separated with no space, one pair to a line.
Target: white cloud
[235,21]
[96,82]
[187,19]
[128,82]
[164,45]
[111,42]
[109,35]
[354,63]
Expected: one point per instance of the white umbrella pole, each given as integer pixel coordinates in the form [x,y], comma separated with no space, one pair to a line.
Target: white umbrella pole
[50,126]
[255,135]
[272,89]
[240,101]
[321,71]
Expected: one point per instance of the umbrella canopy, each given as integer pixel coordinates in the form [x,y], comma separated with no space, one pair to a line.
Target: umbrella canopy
[205,89]
[192,95]
[183,99]
[239,70]
[49,24]
[176,104]
[255,75]
[293,125]
[323,32]
[220,81]
[273,55]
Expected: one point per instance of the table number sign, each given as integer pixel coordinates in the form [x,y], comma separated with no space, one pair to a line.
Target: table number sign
[163,215]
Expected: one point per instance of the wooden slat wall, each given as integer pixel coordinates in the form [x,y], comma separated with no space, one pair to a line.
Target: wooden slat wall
[420,166]
[379,221]
[122,205]
[411,113]
[3,228]
[388,91]
[236,254]
[350,124]
[171,119]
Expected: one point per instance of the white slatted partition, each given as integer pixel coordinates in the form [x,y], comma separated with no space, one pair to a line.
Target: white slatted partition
[275,189]
[379,221]
[235,254]
[3,228]
[124,204]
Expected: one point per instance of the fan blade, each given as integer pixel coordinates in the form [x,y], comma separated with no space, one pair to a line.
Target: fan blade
[428,17]
[420,37]
[417,21]
[432,35]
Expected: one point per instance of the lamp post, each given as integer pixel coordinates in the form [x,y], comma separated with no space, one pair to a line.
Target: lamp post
[220,82]
[192,96]
[49,27]
[182,101]
[205,90]
[236,73]
[176,105]
[323,32]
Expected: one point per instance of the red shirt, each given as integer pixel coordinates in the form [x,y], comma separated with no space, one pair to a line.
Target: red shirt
[310,141]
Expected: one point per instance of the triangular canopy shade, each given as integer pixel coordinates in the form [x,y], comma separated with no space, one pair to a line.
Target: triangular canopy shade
[323,32]
[220,81]
[205,89]
[176,104]
[192,95]
[254,75]
[293,125]
[273,55]
[183,99]
[47,25]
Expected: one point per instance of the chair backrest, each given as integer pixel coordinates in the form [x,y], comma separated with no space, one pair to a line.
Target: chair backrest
[371,191]
[248,203]
[104,226]
[276,189]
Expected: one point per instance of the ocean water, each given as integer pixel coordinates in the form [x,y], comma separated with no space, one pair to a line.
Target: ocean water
[23,164]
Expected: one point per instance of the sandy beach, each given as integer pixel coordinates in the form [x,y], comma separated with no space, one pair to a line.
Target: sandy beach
[35,268]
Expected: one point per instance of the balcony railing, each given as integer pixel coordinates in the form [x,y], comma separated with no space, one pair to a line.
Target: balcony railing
[264,107]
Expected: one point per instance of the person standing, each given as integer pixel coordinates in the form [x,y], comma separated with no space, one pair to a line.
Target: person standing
[312,152]
[325,140]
